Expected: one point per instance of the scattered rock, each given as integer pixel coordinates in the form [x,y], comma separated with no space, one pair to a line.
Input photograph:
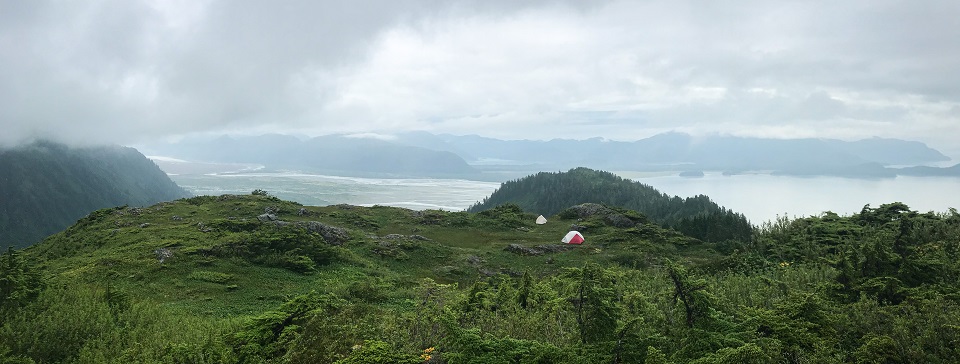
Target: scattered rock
[590,209]
[538,250]
[271,210]
[176,218]
[163,254]
[136,211]
[267,217]
[475,260]
[522,250]
[203,228]
[578,227]
[524,229]
[610,216]
[302,212]
[404,237]
[143,225]
[619,220]
[280,223]
[332,234]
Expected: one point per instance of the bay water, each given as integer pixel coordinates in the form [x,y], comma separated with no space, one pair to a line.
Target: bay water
[760,197]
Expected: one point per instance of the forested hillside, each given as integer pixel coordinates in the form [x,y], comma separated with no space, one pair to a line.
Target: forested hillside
[548,193]
[253,279]
[45,187]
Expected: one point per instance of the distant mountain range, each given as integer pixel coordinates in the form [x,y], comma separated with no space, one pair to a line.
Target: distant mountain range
[682,152]
[422,154]
[45,187]
[337,155]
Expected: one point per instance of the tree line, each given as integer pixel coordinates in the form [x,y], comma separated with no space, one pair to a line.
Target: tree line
[548,193]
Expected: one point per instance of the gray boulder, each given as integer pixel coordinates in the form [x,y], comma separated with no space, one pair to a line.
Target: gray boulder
[619,220]
[331,234]
[267,217]
[586,210]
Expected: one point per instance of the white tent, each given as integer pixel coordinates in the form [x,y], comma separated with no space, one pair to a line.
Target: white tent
[573,237]
[541,220]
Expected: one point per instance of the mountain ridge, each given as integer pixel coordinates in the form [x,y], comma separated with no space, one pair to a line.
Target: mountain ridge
[331,154]
[46,186]
[423,154]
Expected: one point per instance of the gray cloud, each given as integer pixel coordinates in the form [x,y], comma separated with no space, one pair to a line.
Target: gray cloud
[130,71]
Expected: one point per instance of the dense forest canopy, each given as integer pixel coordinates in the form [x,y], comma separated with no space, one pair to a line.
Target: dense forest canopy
[549,193]
[253,279]
[45,187]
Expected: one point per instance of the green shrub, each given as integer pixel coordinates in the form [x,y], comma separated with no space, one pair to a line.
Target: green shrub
[288,247]
[376,352]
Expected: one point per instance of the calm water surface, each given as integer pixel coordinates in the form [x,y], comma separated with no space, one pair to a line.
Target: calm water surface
[311,189]
[760,197]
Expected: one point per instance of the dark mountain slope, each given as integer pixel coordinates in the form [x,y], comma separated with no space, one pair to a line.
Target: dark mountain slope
[45,187]
[953,171]
[549,193]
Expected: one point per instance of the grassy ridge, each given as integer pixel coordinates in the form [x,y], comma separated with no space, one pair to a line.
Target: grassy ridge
[256,279]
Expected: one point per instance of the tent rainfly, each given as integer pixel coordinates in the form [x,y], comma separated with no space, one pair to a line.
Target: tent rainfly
[541,220]
[573,237]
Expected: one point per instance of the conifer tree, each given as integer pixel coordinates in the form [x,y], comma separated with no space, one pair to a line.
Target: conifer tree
[19,282]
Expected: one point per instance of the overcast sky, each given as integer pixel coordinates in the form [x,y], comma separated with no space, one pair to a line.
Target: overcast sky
[132,71]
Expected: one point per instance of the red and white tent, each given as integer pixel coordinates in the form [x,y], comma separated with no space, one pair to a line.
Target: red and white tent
[573,237]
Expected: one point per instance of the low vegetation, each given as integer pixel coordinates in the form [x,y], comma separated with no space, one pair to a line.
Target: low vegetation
[253,279]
